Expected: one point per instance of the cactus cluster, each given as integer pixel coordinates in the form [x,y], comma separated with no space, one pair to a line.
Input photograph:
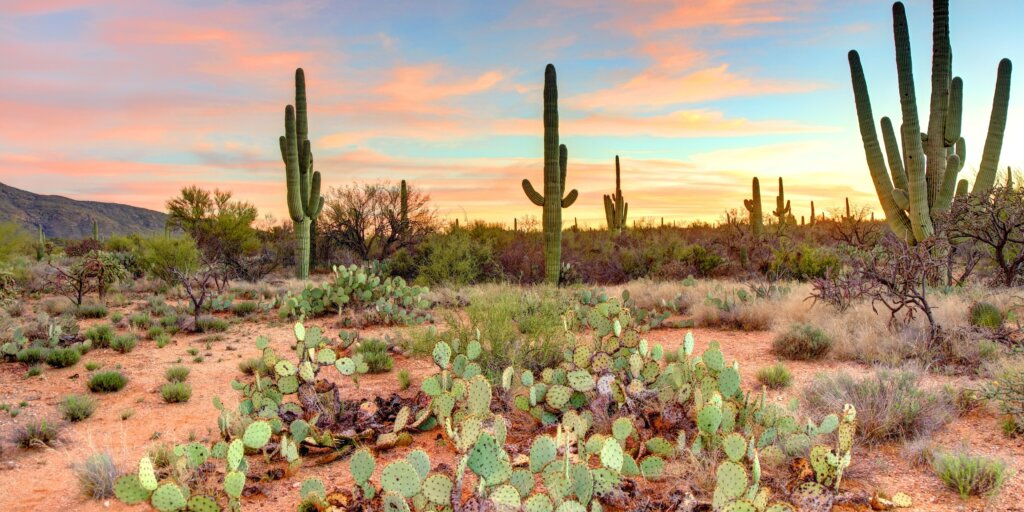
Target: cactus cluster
[361,288]
[615,207]
[921,180]
[303,183]
[555,165]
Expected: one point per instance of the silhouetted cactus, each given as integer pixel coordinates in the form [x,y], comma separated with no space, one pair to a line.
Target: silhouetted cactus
[615,208]
[555,161]
[782,207]
[754,207]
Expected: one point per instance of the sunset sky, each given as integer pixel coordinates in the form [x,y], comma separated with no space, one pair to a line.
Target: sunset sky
[128,100]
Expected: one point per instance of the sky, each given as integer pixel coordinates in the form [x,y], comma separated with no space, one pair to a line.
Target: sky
[129,101]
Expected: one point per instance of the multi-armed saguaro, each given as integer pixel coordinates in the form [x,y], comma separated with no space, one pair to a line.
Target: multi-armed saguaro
[924,177]
[304,200]
[555,157]
[782,206]
[754,207]
[615,207]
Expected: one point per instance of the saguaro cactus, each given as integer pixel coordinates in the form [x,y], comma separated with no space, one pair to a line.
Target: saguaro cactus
[754,207]
[304,200]
[404,208]
[615,208]
[95,230]
[923,179]
[782,207]
[812,213]
[555,161]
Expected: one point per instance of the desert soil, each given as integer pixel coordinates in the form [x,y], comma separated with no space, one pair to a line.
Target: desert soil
[42,478]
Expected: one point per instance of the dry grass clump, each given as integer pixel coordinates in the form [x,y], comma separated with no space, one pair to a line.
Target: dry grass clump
[970,475]
[890,404]
[802,342]
[96,475]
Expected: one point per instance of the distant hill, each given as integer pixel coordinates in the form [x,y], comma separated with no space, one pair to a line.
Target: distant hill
[67,218]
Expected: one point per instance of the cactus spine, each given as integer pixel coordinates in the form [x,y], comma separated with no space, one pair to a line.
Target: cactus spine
[615,208]
[922,181]
[304,200]
[754,207]
[555,161]
[782,206]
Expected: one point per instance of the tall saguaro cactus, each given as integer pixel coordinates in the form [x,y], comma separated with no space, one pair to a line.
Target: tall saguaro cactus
[754,207]
[555,161]
[615,207]
[782,206]
[921,180]
[304,200]
[812,213]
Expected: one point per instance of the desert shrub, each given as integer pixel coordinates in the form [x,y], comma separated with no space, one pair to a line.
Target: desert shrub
[63,357]
[804,263]
[155,332]
[100,335]
[34,371]
[123,343]
[987,315]
[802,342]
[404,380]
[77,407]
[116,317]
[96,475]
[970,475]
[169,321]
[36,434]
[176,392]
[54,306]
[162,340]
[176,374]
[244,308]
[375,355]
[32,355]
[890,404]
[455,258]
[775,376]
[92,365]
[253,366]
[91,311]
[1007,391]
[140,321]
[107,382]
[208,323]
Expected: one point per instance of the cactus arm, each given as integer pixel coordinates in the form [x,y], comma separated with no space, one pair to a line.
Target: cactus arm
[892,150]
[961,188]
[945,197]
[913,150]
[996,128]
[954,121]
[291,165]
[532,193]
[609,212]
[939,103]
[897,219]
[570,198]
[313,204]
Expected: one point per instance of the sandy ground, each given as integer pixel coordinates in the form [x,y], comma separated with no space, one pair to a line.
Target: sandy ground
[42,479]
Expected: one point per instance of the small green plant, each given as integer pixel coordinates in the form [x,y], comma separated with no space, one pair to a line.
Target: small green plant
[970,475]
[176,374]
[36,434]
[34,371]
[404,380]
[116,318]
[77,407]
[176,392]
[123,343]
[107,382]
[91,311]
[96,475]
[253,366]
[162,340]
[986,315]
[244,308]
[127,413]
[155,332]
[32,355]
[802,342]
[375,355]
[208,323]
[92,366]
[775,376]
[140,321]
[63,357]
[100,335]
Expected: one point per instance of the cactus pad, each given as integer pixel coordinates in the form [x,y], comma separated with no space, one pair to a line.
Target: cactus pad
[479,396]
[622,427]
[538,503]
[257,434]
[202,504]
[558,396]
[581,380]
[361,465]
[438,489]
[395,503]
[611,455]
[402,478]
[729,382]
[735,446]
[168,498]
[902,500]
[542,452]
[234,483]
[709,419]
[506,497]
[147,478]
[661,446]
[652,467]
[442,354]
[731,482]
[419,460]
[128,489]
[484,458]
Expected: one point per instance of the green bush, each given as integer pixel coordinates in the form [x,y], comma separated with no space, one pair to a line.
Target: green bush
[375,355]
[123,343]
[140,321]
[92,365]
[32,355]
[970,475]
[176,392]
[455,258]
[155,332]
[244,308]
[77,407]
[63,357]
[107,382]
[802,342]
[162,340]
[36,434]
[91,311]
[101,335]
[804,263]
[775,376]
[987,315]
[212,324]
[176,374]
[96,476]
